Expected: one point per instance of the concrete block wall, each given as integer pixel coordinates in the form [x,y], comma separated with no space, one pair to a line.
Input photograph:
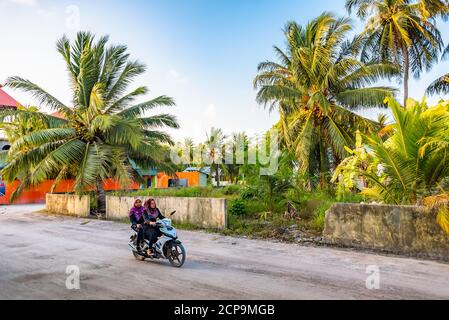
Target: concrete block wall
[67,204]
[398,229]
[202,212]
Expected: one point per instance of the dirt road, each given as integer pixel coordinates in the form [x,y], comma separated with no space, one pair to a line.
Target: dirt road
[36,249]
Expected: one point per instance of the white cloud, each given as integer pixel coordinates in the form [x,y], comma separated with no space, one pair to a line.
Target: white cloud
[24,2]
[175,76]
[210,115]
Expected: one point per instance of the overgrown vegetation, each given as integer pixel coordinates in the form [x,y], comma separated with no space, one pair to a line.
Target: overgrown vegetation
[327,153]
[408,161]
[247,210]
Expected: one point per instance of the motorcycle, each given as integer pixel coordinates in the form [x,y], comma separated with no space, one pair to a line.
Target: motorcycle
[168,246]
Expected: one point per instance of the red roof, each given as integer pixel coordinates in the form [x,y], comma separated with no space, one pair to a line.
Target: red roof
[6,100]
[58,114]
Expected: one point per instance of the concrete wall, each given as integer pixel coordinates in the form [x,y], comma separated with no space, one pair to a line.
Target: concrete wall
[68,204]
[202,212]
[406,230]
[38,193]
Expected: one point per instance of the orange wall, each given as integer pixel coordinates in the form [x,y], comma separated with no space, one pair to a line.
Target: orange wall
[37,194]
[192,177]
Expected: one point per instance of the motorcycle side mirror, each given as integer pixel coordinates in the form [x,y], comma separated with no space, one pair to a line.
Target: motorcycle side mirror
[172,213]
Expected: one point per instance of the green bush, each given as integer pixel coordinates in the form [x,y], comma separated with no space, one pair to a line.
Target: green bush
[248,193]
[93,201]
[254,207]
[191,192]
[238,207]
[231,190]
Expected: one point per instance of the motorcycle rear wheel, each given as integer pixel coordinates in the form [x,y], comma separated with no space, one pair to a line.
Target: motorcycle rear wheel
[176,255]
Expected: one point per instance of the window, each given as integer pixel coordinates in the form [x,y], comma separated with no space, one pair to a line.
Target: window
[178,183]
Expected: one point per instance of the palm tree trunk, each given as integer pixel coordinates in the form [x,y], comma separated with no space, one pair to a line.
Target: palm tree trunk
[101,196]
[406,73]
[323,165]
[217,176]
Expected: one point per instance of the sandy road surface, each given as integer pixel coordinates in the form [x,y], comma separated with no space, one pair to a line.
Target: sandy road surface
[35,250]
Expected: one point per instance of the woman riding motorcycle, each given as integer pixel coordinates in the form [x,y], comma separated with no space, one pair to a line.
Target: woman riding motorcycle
[150,215]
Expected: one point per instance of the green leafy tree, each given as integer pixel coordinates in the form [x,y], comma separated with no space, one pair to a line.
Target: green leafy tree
[103,130]
[316,85]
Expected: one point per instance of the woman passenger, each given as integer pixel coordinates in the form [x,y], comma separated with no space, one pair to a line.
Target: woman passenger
[137,221]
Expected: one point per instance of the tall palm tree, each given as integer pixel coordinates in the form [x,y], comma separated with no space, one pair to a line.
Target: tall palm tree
[237,148]
[440,85]
[213,150]
[403,32]
[102,133]
[189,146]
[316,85]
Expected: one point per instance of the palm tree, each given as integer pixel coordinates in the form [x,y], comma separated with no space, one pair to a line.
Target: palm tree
[433,8]
[237,148]
[24,120]
[414,155]
[213,151]
[441,85]
[189,146]
[102,134]
[402,32]
[316,85]
[410,164]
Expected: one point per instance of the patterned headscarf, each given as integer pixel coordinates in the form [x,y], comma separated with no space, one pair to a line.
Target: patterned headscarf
[137,212]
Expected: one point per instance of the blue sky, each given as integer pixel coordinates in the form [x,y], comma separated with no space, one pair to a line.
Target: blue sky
[203,53]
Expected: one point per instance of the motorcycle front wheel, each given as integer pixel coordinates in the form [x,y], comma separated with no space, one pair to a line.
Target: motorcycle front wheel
[138,256]
[176,255]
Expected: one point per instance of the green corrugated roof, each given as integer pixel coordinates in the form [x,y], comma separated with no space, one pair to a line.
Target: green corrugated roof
[144,172]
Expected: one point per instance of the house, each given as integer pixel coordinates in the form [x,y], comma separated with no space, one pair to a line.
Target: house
[6,101]
[191,177]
